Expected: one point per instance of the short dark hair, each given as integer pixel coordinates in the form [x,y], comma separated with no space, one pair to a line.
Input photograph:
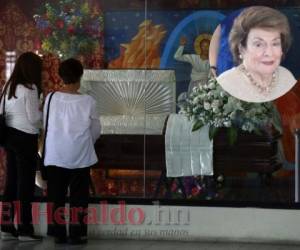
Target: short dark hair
[70,71]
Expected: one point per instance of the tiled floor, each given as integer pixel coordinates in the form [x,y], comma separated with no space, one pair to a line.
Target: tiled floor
[48,244]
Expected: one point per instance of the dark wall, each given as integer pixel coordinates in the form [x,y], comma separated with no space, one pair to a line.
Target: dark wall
[29,6]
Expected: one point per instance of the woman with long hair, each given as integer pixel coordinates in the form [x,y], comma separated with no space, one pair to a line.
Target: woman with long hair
[23,119]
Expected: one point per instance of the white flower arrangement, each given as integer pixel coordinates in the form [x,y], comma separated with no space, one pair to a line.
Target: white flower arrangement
[210,105]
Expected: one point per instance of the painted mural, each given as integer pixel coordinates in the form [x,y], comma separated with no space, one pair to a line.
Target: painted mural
[124,29]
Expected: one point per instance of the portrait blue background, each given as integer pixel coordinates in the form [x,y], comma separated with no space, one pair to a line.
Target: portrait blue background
[122,26]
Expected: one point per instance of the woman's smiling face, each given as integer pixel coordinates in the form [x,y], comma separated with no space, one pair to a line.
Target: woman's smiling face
[263,52]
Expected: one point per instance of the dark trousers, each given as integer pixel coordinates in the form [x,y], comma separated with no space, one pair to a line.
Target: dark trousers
[59,180]
[21,149]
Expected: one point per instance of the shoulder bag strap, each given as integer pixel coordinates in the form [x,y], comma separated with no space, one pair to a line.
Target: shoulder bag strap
[46,126]
[3,97]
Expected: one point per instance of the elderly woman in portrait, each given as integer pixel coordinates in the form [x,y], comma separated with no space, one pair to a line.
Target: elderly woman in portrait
[259,39]
[288,105]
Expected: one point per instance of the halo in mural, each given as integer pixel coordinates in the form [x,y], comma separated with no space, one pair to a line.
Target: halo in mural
[200,22]
[201,43]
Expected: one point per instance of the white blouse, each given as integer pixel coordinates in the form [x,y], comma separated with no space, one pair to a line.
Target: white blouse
[73,128]
[23,112]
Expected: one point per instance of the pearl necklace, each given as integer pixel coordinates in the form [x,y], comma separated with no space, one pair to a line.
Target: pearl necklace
[264,89]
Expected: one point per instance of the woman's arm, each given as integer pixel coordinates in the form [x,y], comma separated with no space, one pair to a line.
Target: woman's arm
[32,104]
[214,50]
[95,122]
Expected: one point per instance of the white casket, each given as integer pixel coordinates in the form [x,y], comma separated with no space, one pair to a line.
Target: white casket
[131,101]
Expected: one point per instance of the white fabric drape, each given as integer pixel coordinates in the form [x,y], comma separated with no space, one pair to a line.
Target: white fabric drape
[187,153]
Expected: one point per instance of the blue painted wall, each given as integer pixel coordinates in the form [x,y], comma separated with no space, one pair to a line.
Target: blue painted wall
[121,27]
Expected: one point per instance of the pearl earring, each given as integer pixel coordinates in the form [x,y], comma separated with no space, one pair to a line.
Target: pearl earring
[240,56]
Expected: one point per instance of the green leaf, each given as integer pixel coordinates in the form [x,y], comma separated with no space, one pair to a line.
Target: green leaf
[232,134]
[197,125]
[257,131]
[276,119]
[212,132]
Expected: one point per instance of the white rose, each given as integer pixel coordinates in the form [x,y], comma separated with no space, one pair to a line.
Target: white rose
[211,85]
[215,104]
[216,110]
[222,94]
[227,124]
[207,106]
